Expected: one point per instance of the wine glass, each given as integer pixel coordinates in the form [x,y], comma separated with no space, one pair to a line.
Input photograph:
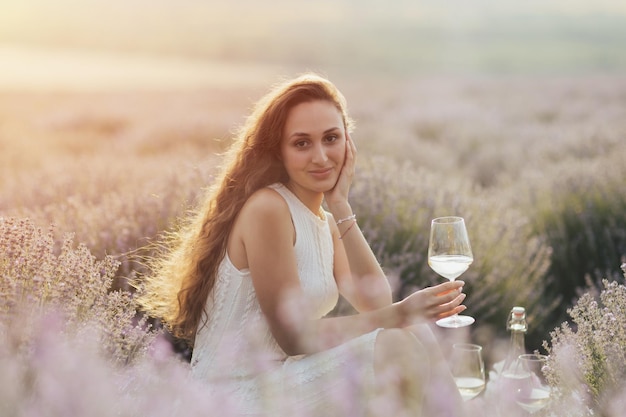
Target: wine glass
[534,392]
[449,255]
[468,369]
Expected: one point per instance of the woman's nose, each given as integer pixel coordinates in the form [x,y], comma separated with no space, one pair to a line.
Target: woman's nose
[319,154]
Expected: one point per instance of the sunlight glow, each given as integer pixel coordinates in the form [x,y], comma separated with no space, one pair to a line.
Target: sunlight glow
[152,43]
[31,68]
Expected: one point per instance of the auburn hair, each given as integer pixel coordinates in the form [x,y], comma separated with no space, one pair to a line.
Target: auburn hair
[181,280]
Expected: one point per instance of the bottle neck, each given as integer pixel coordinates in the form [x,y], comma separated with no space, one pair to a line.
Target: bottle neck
[517,326]
[516,345]
[516,348]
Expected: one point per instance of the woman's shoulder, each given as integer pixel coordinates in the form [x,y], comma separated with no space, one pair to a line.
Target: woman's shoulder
[266,203]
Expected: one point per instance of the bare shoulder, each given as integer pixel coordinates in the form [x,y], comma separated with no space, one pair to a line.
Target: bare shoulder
[267,205]
[265,224]
[265,214]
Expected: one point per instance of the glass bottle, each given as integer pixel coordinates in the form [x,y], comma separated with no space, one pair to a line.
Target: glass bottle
[516,324]
[512,378]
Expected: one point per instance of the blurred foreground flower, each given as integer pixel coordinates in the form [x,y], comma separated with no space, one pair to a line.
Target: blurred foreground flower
[587,364]
[61,372]
[70,347]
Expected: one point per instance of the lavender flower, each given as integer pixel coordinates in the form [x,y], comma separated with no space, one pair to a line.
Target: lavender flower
[587,363]
[37,276]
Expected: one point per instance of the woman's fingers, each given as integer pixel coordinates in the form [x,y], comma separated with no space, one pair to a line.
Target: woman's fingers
[340,191]
[448,286]
[450,308]
[456,310]
[439,301]
[349,163]
[445,293]
[448,296]
[351,146]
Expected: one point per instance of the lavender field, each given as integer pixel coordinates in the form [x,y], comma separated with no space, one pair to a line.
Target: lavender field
[536,165]
[97,161]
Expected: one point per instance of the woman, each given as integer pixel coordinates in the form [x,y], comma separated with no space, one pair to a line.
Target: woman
[253,276]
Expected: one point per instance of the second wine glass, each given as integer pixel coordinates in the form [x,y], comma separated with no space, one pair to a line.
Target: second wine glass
[534,392]
[468,369]
[449,255]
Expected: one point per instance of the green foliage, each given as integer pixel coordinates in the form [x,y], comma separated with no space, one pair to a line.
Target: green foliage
[395,204]
[583,220]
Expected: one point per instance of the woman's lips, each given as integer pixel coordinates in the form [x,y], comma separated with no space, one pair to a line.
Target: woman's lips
[321,173]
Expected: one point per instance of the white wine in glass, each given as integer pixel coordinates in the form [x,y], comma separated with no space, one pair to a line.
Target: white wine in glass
[468,369]
[449,255]
[534,393]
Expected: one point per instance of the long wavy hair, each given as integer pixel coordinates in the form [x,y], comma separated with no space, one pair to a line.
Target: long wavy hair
[181,281]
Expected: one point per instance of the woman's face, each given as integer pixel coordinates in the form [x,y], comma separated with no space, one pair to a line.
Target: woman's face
[313,147]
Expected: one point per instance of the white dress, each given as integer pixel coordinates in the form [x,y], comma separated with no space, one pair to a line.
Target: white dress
[237,356]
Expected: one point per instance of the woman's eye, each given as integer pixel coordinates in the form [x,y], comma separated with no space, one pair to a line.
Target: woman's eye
[300,144]
[331,138]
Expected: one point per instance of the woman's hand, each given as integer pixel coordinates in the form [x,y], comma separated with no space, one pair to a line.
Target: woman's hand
[339,193]
[433,303]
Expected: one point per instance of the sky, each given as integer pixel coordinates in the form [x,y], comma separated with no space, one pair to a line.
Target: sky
[399,36]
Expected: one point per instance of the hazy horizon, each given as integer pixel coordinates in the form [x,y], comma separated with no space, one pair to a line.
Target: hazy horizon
[348,36]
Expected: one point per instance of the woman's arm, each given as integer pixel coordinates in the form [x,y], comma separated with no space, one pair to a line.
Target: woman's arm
[359,276]
[265,232]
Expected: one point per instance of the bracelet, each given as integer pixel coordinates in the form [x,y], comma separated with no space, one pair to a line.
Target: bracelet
[350,217]
[347,230]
